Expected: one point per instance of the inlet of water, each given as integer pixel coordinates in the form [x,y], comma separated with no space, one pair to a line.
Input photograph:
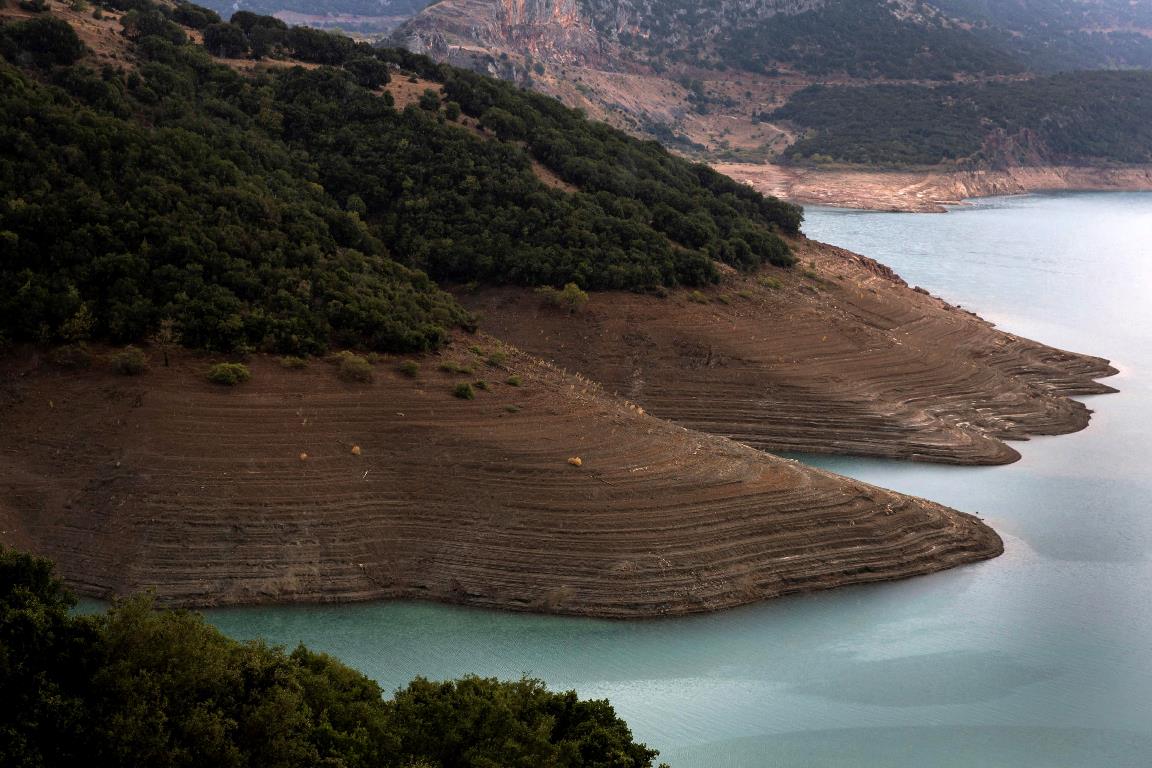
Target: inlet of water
[1040,658]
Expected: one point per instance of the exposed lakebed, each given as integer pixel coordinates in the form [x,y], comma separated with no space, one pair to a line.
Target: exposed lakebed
[1038,658]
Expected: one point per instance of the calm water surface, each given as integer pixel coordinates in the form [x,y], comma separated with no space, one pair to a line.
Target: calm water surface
[1040,658]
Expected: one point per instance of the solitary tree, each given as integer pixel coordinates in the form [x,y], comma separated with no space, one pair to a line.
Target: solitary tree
[165,338]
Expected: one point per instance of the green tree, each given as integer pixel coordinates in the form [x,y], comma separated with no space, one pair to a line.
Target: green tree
[430,100]
[44,41]
[226,41]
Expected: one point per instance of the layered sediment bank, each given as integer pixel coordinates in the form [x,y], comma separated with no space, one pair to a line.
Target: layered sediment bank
[300,487]
[837,355]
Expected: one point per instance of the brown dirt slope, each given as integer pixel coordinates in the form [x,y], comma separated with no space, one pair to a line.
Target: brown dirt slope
[929,190]
[837,355]
[165,481]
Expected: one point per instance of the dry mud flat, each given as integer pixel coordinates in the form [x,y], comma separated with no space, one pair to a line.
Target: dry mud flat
[214,496]
[927,191]
[837,355]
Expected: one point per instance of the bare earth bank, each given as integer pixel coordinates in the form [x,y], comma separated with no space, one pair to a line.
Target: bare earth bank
[300,487]
[927,190]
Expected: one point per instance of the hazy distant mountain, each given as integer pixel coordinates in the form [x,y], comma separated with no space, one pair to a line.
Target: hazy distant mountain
[705,74]
[894,38]
[900,39]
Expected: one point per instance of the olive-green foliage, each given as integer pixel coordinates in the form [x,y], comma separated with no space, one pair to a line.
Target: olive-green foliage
[866,39]
[570,297]
[409,368]
[160,194]
[464,391]
[451,366]
[226,40]
[73,356]
[42,42]
[130,361]
[194,16]
[1051,36]
[430,100]
[1077,117]
[293,362]
[47,660]
[159,689]
[229,374]
[481,385]
[186,190]
[353,367]
[513,381]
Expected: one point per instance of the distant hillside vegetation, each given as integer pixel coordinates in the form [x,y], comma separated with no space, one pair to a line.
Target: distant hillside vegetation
[1081,117]
[868,40]
[881,38]
[289,209]
[1053,35]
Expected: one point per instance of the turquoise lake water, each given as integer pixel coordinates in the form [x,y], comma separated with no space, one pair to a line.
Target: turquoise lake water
[1041,658]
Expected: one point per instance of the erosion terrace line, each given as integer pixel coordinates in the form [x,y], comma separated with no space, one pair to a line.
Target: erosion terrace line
[170,483]
[842,357]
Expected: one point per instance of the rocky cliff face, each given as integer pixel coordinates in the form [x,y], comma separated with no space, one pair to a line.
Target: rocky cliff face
[583,32]
[556,30]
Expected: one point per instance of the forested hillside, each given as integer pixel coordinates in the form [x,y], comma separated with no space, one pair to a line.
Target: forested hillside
[291,209]
[1053,35]
[705,76]
[1082,117]
[868,40]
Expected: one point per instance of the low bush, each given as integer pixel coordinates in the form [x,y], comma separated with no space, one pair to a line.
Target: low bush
[464,391]
[292,361]
[451,366]
[74,356]
[570,297]
[409,368]
[130,361]
[356,368]
[229,374]
[481,385]
[513,381]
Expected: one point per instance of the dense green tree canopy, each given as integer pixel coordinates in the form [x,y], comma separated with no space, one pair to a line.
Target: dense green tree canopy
[161,689]
[290,209]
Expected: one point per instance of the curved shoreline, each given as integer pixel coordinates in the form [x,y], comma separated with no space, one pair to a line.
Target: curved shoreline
[214,497]
[838,355]
[298,487]
[929,190]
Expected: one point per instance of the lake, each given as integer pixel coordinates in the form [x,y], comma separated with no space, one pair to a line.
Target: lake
[1042,657]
